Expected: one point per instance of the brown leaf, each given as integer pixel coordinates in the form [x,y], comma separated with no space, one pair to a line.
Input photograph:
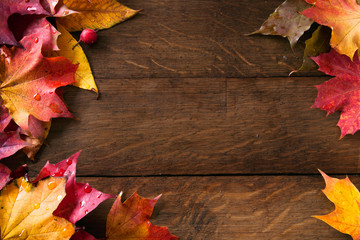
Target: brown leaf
[286,21]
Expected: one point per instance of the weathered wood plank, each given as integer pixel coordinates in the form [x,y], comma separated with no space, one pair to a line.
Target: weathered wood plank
[201,126]
[243,208]
[173,38]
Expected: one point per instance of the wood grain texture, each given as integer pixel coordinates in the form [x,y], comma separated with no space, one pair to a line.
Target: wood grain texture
[178,38]
[201,126]
[246,208]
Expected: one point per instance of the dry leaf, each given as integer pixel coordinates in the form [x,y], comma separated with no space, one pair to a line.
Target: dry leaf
[287,22]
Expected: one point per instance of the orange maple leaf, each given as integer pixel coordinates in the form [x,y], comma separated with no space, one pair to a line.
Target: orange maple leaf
[343,17]
[346,197]
[130,220]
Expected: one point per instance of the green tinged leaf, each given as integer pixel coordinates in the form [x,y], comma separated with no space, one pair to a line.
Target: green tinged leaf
[318,43]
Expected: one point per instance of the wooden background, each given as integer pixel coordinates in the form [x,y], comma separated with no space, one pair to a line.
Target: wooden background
[193,109]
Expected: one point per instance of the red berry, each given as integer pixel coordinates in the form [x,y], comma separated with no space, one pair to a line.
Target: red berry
[88,36]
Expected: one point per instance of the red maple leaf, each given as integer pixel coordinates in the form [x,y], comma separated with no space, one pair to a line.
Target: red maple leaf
[44,31]
[10,7]
[341,93]
[80,198]
[28,82]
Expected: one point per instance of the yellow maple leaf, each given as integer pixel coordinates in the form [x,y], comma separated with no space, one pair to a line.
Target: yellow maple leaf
[83,75]
[95,14]
[346,197]
[26,210]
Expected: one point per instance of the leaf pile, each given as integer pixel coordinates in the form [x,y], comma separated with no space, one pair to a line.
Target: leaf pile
[49,206]
[333,47]
[41,60]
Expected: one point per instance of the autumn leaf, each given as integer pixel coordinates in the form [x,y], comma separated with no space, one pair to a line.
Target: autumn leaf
[56,8]
[26,210]
[287,22]
[29,81]
[11,7]
[346,197]
[53,201]
[341,93]
[343,17]
[4,175]
[29,143]
[4,117]
[39,131]
[43,30]
[10,143]
[82,235]
[80,198]
[95,14]
[130,220]
[83,76]
[49,205]
[317,44]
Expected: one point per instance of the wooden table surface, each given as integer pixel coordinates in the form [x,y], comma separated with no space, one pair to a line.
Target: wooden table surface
[191,108]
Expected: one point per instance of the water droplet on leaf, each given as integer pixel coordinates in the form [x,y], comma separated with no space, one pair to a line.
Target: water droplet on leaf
[37,97]
[22,231]
[31,8]
[52,185]
[59,172]
[87,188]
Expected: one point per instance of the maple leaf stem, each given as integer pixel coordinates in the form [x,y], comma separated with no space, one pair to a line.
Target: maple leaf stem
[76,44]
